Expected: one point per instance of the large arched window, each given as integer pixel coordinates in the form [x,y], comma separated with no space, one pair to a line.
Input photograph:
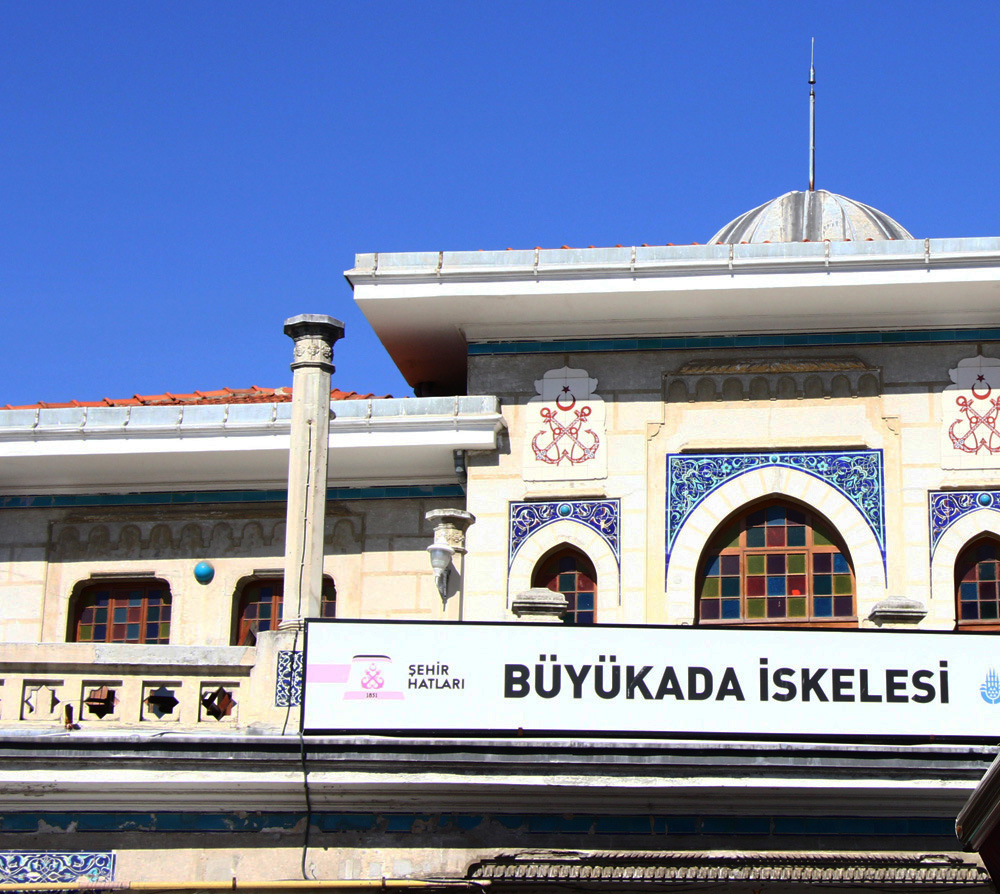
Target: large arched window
[121,611]
[776,563]
[258,607]
[977,572]
[570,572]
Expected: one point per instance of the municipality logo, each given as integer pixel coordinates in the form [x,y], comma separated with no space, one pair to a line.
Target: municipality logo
[989,689]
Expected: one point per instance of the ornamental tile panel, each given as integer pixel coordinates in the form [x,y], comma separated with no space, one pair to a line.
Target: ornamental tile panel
[947,507]
[288,683]
[60,867]
[857,474]
[601,516]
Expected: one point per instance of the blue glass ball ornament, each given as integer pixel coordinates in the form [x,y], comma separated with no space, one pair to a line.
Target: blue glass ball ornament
[204,572]
[564,510]
[985,499]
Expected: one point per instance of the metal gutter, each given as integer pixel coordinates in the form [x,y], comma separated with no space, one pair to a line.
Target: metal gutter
[666,260]
[373,415]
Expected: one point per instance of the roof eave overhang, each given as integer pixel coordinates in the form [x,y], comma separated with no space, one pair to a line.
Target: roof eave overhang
[427,307]
[366,449]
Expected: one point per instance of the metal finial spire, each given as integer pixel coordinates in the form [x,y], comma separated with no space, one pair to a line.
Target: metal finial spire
[812,117]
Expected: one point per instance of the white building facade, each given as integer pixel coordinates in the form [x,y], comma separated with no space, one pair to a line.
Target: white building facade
[794,426]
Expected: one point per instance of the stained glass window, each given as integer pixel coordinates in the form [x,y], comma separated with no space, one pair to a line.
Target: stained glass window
[122,612]
[259,607]
[776,564]
[977,573]
[571,573]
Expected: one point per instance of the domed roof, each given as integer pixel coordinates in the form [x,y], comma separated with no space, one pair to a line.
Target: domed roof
[812,216]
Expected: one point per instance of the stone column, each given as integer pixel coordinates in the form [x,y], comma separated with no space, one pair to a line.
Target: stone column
[312,364]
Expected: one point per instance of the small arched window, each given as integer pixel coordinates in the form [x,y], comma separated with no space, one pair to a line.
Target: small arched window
[570,572]
[777,563]
[258,607]
[121,611]
[977,572]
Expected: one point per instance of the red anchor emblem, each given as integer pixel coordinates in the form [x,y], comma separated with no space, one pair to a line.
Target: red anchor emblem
[981,428]
[566,441]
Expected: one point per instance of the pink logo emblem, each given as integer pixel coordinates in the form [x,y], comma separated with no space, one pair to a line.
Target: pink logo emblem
[368,678]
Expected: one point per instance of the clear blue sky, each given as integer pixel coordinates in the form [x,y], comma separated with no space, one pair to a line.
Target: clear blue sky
[177,178]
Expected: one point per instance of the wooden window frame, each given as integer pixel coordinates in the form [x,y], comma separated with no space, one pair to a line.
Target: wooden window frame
[812,520]
[244,631]
[542,573]
[121,595]
[961,562]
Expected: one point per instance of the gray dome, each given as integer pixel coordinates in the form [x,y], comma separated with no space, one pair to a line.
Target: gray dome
[812,216]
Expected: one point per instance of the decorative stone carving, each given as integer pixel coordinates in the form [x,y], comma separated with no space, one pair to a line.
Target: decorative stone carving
[314,336]
[40,701]
[450,526]
[565,437]
[539,604]
[187,538]
[343,536]
[970,423]
[100,701]
[218,702]
[181,538]
[160,702]
[314,350]
[753,379]
[898,611]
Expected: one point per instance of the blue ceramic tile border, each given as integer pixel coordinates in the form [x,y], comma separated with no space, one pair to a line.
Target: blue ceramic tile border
[288,681]
[166,498]
[857,474]
[947,507]
[58,867]
[680,343]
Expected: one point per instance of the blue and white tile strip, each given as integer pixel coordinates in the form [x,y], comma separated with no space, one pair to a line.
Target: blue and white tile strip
[601,516]
[39,867]
[947,507]
[857,474]
[288,681]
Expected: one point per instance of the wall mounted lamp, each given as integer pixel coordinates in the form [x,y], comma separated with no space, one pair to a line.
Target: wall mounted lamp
[450,526]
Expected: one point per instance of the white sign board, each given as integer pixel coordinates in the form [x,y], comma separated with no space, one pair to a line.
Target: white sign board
[471,678]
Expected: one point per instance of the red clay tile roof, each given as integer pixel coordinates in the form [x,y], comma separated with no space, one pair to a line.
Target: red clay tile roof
[252,395]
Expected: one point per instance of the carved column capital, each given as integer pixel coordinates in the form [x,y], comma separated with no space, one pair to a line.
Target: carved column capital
[314,336]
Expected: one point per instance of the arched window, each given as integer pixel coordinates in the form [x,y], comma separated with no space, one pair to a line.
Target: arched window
[121,611]
[777,563]
[977,572]
[570,572]
[258,607]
